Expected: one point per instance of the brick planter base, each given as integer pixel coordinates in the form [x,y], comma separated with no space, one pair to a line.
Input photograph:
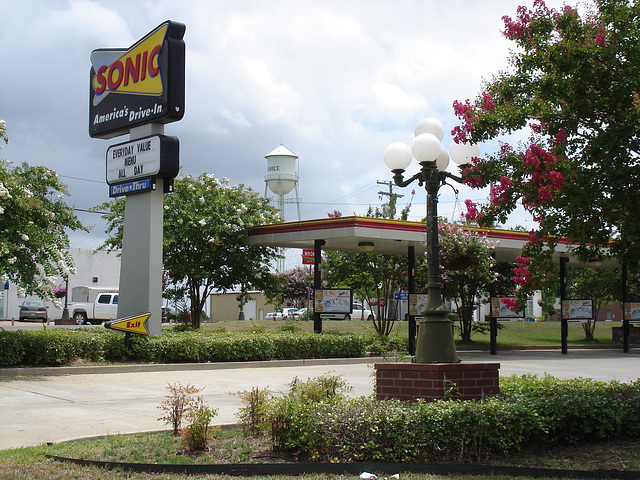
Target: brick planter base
[432,381]
[67,321]
[617,335]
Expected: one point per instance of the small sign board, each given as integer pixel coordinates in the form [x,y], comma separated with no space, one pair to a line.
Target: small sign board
[417,302]
[136,186]
[134,324]
[334,300]
[577,310]
[308,256]
[632,312]
[500,311]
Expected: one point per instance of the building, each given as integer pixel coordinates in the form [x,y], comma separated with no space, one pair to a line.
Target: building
[226,306]
[93,269]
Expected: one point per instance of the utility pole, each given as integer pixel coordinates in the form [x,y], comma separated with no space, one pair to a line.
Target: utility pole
[386,208]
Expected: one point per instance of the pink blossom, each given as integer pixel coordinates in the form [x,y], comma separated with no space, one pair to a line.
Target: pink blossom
[487,101]
[544,195]
[561,137]
[533,238]
[505,148]
[510,303]
[500,191]
[557,180]
[467,113]
[472,210]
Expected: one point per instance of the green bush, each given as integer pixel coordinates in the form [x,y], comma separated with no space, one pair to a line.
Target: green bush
[529,411]
[58,346]
[12,351]
[578,409]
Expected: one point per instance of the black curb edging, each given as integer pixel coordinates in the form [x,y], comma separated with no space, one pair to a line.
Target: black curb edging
[248,469]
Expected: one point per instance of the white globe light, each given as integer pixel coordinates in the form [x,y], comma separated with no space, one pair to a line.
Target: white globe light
[426,147]
[432,126]
[462,153]
[442,162]
[397,156]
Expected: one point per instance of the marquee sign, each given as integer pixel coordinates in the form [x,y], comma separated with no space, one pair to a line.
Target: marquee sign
[153,156]
[140,85]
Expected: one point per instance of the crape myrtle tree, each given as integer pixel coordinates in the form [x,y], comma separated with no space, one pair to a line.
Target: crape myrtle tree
[372,276]
[34,221]
[603,286]
[467,269]
[206,222]
[290,286]
[573,80]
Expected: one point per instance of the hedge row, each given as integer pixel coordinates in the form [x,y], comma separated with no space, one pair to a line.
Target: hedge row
[58,346]
[530,411]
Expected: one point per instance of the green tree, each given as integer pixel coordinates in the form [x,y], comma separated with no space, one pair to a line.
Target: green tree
[206,222]
[34,221]
[600,285]
[573,81]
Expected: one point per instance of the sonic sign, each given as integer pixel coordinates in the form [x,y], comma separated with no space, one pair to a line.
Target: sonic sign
[139,85]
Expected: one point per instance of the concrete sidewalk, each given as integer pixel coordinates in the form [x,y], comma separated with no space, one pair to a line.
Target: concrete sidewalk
[55,404]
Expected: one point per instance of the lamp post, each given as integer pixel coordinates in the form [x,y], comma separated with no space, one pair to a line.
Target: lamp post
[65,310]
[435,336]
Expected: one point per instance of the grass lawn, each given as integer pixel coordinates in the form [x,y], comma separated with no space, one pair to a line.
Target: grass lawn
[511,333]
[230,446]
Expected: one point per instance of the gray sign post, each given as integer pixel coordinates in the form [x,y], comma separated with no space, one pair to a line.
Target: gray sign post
[141,266]
[137,91]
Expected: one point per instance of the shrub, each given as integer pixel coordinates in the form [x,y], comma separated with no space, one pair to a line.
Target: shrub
[287,417]
[529,410]
[176,403]
[253,413]
[578,409]
[11,348]
[58,346]
[199,416]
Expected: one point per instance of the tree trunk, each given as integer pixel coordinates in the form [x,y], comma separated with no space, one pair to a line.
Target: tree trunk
[194,297]
[466,321]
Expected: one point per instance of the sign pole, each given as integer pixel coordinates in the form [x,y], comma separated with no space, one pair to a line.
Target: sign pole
[141,266]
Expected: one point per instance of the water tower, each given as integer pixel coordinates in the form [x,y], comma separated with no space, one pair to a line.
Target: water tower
[281,178]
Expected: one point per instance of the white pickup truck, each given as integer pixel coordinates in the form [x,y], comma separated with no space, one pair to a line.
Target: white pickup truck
[102,309]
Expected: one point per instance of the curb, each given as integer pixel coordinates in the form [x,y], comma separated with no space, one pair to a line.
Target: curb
[171,367]
[262,469]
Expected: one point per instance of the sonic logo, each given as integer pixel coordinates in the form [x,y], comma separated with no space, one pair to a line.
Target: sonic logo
[135,71]
[130,87]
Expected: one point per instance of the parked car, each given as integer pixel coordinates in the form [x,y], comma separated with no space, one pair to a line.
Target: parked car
[301,314]
[284,314]
[357,313]
[33,310]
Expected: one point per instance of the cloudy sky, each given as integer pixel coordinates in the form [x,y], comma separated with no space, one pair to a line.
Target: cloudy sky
[333,81]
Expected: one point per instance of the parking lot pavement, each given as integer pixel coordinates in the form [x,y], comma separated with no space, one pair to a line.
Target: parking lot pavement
[56,404]
[35,325]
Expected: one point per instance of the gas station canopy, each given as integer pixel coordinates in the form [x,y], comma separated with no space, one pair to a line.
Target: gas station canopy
[379,235]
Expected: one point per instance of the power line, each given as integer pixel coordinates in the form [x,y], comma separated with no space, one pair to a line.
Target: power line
[83,179]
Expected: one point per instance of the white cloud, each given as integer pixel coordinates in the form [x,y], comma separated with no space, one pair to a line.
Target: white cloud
[334,81]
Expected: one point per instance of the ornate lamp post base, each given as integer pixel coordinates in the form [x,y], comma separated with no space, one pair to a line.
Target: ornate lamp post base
[435,342]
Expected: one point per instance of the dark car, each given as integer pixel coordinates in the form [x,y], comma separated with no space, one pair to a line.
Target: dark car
[33,310]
